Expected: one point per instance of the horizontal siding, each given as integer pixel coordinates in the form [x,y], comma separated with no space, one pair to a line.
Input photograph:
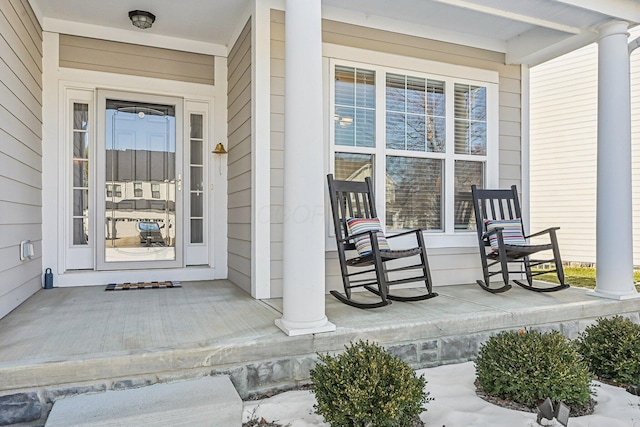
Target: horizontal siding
[564,94]
[239,160]
[124,58]
[277,151]
[20,152]
[17,49]
[563,149]
[449,266]
[338,33]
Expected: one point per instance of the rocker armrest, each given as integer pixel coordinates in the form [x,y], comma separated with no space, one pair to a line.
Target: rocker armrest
[540,233]
[362,233]
[404,233]
[493,231]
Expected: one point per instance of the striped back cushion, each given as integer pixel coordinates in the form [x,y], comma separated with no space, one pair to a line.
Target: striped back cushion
[363,242]
[512,233]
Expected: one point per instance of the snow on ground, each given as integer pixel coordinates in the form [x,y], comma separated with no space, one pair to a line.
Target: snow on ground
[456,405]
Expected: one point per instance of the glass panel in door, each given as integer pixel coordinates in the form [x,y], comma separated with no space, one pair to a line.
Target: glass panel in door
[140,182]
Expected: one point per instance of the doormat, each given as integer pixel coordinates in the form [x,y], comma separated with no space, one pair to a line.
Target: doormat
[142,285]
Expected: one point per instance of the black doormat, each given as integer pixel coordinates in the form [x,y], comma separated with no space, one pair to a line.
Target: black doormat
[142,285]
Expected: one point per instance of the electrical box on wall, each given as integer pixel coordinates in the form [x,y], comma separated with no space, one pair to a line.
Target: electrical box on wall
[26,250]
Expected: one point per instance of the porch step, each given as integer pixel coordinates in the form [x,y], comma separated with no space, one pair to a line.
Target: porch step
[211,401]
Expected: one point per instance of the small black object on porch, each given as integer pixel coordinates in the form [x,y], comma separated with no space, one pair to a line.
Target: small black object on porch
[357,228]
[502,241]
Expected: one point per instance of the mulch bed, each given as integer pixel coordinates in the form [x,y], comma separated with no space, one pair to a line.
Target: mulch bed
[261,423]
[575,411]
[264,423]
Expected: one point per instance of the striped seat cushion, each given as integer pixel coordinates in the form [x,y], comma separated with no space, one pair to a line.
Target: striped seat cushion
[363,242]
[511,233]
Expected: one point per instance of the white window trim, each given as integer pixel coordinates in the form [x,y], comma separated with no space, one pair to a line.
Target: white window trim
[197,253]
[77,256]
[383,63]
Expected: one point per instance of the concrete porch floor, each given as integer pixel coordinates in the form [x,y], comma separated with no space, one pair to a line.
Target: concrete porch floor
[72,340]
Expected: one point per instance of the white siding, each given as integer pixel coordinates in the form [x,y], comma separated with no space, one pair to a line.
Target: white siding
[564,110]
[239,161]
[20,151]
[448,265]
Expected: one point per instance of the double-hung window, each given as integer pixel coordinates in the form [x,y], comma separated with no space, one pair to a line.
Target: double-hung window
[424,139]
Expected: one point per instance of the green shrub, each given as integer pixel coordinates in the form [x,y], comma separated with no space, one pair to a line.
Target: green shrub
[528,366]
[611,347]
[367,386]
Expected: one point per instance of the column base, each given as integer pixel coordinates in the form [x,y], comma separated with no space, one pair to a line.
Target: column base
[292,329]
[609,295]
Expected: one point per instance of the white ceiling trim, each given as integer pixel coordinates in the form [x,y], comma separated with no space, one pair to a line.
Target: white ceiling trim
[503,13]
[540,45]
[628,10]
[133,37]
[403,27]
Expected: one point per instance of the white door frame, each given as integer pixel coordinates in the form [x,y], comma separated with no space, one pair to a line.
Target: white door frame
[99,230]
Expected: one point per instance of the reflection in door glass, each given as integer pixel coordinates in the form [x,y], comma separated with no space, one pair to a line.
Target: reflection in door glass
[140,217]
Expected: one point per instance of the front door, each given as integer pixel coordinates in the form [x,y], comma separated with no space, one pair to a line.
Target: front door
[139,181]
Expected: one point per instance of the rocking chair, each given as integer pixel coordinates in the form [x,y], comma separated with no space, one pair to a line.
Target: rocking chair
[358,229]
[502,241]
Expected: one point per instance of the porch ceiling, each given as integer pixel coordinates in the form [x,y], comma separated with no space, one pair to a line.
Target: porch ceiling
[527,31]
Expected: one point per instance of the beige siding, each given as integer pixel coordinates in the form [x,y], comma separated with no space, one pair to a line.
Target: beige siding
[564,96]
[465,261]
[239,158]
[20,151]
[124,58]
[442,261]
[277,149]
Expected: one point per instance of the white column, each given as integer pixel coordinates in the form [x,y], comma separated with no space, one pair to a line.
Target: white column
[614,231]
[304,181]
[260,152]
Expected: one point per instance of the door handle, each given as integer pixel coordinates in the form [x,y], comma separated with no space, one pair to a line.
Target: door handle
[179,182]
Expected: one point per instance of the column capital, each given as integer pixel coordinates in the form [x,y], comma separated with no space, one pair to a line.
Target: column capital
[612,28]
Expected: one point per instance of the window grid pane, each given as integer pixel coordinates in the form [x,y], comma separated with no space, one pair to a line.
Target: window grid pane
[467,173]
[413,193]
[405,100]
[80,227]
[80,174]
[353,167]
[354,113]
[197,230]
[415,114]
[196,190]
[436,119]
[470,119]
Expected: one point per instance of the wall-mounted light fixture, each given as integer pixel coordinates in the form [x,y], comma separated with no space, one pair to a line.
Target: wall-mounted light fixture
[142,19]
[219,151]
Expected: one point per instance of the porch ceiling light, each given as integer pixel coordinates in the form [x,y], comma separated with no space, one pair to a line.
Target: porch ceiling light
[142,19]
